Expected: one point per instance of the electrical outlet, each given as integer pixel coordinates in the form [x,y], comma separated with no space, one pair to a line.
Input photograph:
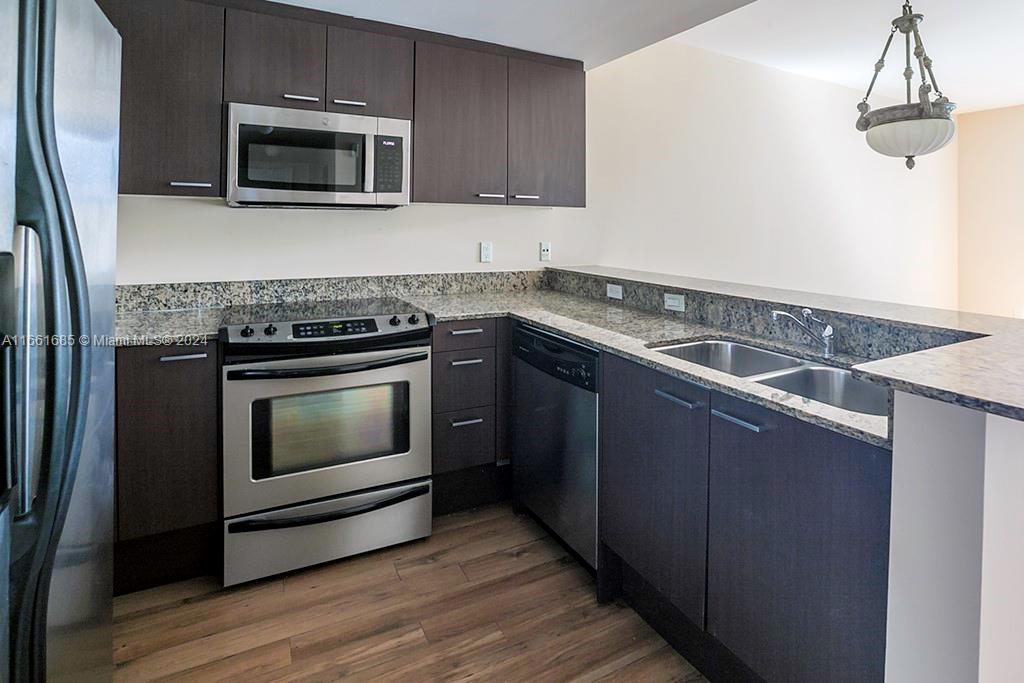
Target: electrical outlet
[545,251]
[486,252]
[615,291]
[675,302]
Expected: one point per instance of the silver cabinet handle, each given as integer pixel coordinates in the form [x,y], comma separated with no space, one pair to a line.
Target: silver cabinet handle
[526,196]
[350,103]
[184,356]
[188,183]
[466,423]
[737,421]
[689,405]
[488,195]
[468,330]
[301,98]
[472,361]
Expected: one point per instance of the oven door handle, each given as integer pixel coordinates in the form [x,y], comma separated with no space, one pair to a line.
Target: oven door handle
[324,371]
[249,525]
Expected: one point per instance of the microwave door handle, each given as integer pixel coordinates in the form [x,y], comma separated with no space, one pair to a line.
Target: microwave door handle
[327,371]
[368,179]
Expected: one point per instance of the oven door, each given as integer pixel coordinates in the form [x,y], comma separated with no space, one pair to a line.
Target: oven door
[291,156]
[306,428]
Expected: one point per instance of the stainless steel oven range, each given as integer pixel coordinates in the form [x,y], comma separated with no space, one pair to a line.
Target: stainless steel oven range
[325,433]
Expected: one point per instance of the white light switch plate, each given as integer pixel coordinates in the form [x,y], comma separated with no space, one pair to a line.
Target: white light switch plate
[545,251]
[615,291]
[675,302]
[486,252]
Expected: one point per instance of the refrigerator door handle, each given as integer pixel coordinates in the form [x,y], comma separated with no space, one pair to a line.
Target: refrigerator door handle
[58,476]
[26,270]
[35,535]
[7,420]
[36,208]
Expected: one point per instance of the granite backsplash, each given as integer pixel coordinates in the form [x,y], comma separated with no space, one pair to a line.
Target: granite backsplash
[855,335]
[199,295]
[859,336]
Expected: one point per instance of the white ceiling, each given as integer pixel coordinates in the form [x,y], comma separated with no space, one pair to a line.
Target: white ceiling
[595,31]
[977,45]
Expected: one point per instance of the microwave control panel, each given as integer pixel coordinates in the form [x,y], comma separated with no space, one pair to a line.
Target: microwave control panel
[387,159]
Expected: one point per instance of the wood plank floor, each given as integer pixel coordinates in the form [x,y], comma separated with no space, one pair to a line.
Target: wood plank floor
[488,597]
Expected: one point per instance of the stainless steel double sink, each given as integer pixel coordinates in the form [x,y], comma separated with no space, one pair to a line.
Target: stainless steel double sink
[834,386]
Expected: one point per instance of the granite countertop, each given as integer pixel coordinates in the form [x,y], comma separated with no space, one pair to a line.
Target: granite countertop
[986,374]
[627,332]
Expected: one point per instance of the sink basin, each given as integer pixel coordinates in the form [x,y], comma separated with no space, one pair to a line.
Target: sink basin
[736,359]
[833,386]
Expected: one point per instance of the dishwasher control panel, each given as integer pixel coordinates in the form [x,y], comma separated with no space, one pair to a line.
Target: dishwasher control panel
[561,358]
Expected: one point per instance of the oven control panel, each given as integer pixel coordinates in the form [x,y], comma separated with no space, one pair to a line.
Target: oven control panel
[289,332]
[333,328]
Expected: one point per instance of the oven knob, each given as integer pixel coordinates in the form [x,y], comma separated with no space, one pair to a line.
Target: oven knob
[414,319]
[247,331]
[395,322]
[270,330]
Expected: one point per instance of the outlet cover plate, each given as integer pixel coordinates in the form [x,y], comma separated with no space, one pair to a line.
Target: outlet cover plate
[675,302]
[486,252]
[545,251]
[615,291]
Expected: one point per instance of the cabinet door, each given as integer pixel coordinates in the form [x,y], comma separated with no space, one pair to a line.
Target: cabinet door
[798,546]
[369,73]
[460,140]
[172,73]
[546,134]
[274,61]
[653,479]
[168,470]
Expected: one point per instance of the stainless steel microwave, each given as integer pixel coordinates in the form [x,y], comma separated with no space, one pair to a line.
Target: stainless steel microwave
[300,158]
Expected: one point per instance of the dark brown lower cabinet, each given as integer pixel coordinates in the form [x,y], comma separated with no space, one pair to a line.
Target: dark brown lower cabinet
[463,438]
[168,471]
[798,546]
[653,479]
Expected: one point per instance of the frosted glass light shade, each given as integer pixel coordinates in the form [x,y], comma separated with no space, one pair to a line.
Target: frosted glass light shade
[911,138]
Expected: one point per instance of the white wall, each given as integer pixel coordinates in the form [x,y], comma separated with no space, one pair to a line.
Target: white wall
[713,167]
[992,211]
[698,164]
[182,240]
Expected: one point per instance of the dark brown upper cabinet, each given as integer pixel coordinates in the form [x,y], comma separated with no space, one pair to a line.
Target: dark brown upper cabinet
[274,61]
[546,134]
[460,127]
[369,73]
[171,81]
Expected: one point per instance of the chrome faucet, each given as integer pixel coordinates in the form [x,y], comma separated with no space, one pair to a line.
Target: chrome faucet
[826,336]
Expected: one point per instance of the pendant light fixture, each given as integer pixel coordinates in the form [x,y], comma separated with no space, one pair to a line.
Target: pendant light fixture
[915,128]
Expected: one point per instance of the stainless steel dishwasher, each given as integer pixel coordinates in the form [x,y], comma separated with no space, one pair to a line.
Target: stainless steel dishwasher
[554,459]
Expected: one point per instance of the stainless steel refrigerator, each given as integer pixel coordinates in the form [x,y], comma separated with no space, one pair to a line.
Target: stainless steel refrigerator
[60,65]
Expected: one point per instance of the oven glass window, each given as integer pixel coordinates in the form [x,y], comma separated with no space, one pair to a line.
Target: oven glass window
[310,431]
[275,158]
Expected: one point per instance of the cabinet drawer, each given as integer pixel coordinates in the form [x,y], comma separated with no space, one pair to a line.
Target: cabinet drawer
[463,438]
[463,379]
[464,334]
